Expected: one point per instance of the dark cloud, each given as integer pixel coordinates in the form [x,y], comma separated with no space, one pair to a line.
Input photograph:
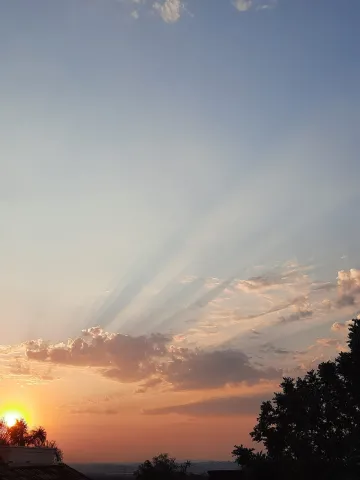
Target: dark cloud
[345,300]
[294,317]
[213,369]
[322,286]
[270,348]
[218,406]
[95,411]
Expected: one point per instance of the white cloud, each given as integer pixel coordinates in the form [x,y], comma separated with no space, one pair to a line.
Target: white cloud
[170,11]
[135,14]
[348,287]
[243,5]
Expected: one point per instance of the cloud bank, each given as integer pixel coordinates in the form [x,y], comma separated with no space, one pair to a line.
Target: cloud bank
[151,359]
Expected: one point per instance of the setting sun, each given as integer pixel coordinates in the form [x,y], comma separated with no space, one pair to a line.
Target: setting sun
[10,418]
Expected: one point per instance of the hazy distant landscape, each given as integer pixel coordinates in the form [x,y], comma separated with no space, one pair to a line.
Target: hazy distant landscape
[102,471]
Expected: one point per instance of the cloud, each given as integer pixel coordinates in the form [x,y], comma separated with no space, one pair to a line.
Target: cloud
[294,317]
[269,348]
[218,406]
[214,369]
[255,332]
[95,411]
[152,360]
[22,370]
[243,5]
[348,282]
[327,342]
[345,300]
[322,286]
[170,11]
[338,326]
[289,276]
[293,303]
[123,357]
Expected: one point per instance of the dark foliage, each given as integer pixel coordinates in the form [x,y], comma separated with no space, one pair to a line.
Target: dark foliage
[311,429]
[162,467]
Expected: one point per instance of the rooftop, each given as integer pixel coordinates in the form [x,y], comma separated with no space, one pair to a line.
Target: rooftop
[44,472]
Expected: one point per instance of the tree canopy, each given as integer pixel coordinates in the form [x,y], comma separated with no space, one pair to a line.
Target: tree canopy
[162,467]
[313,424]
[20,435]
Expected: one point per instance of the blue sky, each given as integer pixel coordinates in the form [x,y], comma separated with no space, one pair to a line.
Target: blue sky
[128,138]
[157,157]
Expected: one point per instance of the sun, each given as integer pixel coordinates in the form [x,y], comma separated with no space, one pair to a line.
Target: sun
[10,418]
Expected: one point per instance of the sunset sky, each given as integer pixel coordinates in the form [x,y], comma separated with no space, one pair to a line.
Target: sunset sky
[179,214]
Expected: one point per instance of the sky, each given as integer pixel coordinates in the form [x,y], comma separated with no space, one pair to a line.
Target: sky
[179,220]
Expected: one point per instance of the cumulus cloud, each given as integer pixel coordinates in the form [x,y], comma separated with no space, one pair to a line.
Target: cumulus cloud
[218,406]
[170,10]
[122,357]
[348,282]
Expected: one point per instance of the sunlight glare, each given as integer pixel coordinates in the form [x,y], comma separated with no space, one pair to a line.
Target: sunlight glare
[10,418]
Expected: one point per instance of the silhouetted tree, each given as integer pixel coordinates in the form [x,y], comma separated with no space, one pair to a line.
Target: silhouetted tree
[19,435]
[37,437]
[162,467]
[312,427]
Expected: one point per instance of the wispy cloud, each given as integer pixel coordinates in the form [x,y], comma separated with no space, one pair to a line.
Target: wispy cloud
[246,5]
[218,406]
[95,411]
